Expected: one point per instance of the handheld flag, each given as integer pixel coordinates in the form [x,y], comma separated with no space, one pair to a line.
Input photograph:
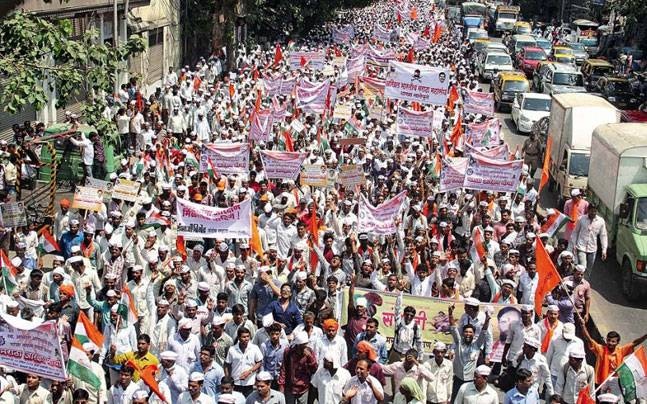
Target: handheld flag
[410,56]
[554,222]
[632,375]
[127,308]
[453,97]
[314,230]
[147,374]
[457,132]
[78,365]
[584,396]
[47,243]
[9,273]
[86,331]
[547,273]
[278,54]
[255,242]
[479,248]
[180,247]
[544,170]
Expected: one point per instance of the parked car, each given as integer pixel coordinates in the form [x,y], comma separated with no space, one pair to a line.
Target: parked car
[528,58]
[494,62]
[562,50]
[593,69]
[528,108]
[578,51]
[497,46]
[554,78]
[506,85]
[617,91]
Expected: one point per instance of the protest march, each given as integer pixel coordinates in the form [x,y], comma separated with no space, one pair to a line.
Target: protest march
[337,219]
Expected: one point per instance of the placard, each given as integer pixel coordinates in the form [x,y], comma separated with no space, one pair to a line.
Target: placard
[13,214]
[105,186]
[379,220]
[228,158]
[315,175]
[87,198]
[342,111]
[486,174]
[126,190]
[417,83]
[452,173]
[282,164]
[202,221]
[352,140]
[351,175]
[414,123]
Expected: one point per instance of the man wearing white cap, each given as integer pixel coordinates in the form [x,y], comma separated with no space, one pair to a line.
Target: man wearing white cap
[119,337]
[550,327]
[575,207]
[330,379]
[477,391]
[574,375]
[439,389]
[195,260]
[97,395]
[175,377]
[185,344]
[477,318]
[264,393]
[194,395]
[297,369]
[163,327]
[518,331]
[219,339]
[560,346]
[142,294]
[536,363]
[581,291]
[608,398]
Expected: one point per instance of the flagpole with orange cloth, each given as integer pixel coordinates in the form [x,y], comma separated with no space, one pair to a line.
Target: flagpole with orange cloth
[544,170]
[314,229]
[547,273]
[255,241]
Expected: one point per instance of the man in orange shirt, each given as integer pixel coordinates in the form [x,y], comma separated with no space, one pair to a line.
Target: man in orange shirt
[610,355]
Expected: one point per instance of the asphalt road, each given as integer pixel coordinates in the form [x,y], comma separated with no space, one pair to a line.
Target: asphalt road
[610,310]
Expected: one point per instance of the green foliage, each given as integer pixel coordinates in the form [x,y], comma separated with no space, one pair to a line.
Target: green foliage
[35,51]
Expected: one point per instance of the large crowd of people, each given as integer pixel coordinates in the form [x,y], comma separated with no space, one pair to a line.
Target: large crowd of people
[277,318]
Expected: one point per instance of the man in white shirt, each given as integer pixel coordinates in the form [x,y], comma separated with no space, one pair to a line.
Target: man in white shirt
[477,391]
[536,364]
[175,377]
[584,240]
[193,395]
[574,375]
[123,390]
[185,344]
[519,330]
[330,380]
[362,388]
[331,342]
[439,389]
[87,150]
[171,78]
[557,355]
[244,359]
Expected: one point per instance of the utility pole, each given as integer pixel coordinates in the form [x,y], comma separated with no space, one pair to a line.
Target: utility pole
[115,40]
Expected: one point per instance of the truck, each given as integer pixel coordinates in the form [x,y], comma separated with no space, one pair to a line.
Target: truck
[573,117]
[504,19]
[618,186]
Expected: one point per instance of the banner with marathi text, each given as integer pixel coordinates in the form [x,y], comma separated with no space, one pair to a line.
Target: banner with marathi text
[228,158]
[452,173]
[414,123]
[202,221]
[282,164]
[379,220]
[417,83]
[478,103]
[484,174]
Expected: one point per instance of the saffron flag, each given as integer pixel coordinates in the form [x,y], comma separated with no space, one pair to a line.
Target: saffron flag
[584,396]
[547,273]
[457,132]
[453,97]
[147,374]
[479,248]
[156,219]
[544,170]
[86,331]
[632,375]
[255,242]
[180,247]
[47,243]
[554,222]
[127,308]
[278,54]
[314,230]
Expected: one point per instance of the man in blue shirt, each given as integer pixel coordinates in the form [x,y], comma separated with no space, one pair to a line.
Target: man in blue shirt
[70,238]
[525,391]
[265,291]
[212,371]
[376,340]
[272,350]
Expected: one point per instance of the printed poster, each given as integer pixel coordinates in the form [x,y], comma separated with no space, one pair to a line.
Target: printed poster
[315,175]
[417,83]
[87,198]
[13,214]
[414,123]
[478,103]
[227,158]
[485,174]
[282,164]
[452,173]
[379,220]
[202,221]
[126,190]
[351,175]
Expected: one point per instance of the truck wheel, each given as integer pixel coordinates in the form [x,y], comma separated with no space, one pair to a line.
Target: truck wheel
[629,288]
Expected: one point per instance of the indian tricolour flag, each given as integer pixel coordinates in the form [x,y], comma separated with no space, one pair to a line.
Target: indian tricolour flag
[127,307]
[554,222]
[48,243]
[156,219]
[632,375]
[191,160]
[78,364]
[9,273]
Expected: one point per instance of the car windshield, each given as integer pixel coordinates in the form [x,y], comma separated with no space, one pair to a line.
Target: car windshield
[535,55]
[576,46]
[567,79]
[523,29]
[523,44]
[507,16]
[602,70]
[516,86]
[579,166]
[589,41]
[545,45]
[641,214]
[499,60]
[620,87]
[536,104]
[477,34]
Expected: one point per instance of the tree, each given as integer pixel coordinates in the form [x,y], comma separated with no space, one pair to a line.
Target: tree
[36,53]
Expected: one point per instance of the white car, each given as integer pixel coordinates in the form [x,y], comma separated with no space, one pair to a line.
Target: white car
[494,62]
[528,108]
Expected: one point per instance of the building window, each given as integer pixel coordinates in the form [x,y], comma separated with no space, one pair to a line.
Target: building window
[155,37]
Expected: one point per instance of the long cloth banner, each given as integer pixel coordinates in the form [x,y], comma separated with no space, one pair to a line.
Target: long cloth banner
[228,158]
[478,103]
[196,220]
[414,123]
[452,173]
[432,318]
[379,220]
[492,175]
[31,348]
[282,165]
[417,83]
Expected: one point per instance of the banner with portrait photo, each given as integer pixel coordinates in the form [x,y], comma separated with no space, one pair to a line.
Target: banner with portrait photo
[351,175]
[452,173]
[414,123]
[202,221]
[379,220]
[314,175]
[282,164]
[484,134]
[228,158]
[485,174]
[417,83]
[432,317]
[478,103]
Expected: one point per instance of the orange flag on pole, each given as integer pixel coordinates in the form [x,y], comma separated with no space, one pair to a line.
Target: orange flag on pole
[289,145]
[180,247]
[544,170]
[278,54]
[437,33]
[457,132]
[314,229]
[453,97]
[584,396]
[547,273]
[478,244]
[255,242]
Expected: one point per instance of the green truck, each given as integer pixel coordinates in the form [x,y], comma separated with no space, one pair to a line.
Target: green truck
[68,157]
[618,185]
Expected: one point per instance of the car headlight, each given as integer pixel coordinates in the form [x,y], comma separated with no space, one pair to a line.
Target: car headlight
[612,99]
[525,118]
